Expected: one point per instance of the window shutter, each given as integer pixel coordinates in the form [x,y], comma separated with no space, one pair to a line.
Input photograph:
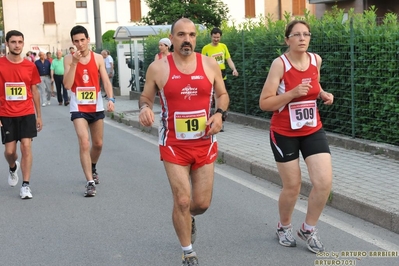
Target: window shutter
[298,7]
[49,13]
[250,8]
[135,10]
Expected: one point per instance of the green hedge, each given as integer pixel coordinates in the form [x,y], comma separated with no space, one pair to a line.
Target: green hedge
[360,67]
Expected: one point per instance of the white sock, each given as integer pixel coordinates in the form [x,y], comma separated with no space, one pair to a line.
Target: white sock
[187,249]
[307,227]
[279,225]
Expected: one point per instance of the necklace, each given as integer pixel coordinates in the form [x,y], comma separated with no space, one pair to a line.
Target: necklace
[86,54]
[299,66]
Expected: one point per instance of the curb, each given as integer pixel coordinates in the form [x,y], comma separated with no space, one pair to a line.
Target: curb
[338,140]
[388,219]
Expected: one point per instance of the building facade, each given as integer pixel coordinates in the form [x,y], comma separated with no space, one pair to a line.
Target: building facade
[46,24]
[277,8]
[382,6]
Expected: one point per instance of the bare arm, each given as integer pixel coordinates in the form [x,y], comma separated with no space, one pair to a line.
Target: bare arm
[70,64]
[147,97]
[221,96]
[105,79]
[269,100]
[326,97]
[112,71]
[36,102]
[232,66]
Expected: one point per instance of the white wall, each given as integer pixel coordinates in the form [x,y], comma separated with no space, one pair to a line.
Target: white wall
[237,10]
[27,17]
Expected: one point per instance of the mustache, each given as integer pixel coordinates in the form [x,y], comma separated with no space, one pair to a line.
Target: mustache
[186,44]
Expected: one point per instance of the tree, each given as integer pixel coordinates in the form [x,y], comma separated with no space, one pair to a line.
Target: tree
[1,15]
[108,36]
[210,13]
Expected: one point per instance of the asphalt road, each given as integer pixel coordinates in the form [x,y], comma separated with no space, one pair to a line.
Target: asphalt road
[129,221]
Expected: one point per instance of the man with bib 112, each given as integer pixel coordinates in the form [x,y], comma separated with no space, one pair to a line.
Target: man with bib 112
[20,115]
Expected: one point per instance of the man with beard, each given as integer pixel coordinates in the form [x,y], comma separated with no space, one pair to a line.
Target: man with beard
[185,82]
[20,116]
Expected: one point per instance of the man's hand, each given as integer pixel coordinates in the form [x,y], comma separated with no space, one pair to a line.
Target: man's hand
[216,123]
[39,124]
[146,116]
[110,106]
[328,98]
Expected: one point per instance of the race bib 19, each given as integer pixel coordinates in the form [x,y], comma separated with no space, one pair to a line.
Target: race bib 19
[190,125]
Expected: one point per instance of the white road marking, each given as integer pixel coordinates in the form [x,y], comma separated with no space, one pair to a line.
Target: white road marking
[300,206]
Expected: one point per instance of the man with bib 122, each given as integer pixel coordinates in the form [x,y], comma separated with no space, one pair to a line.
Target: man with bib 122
[82,70]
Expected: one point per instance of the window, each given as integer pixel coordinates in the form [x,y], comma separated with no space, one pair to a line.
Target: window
[81,12]
[110,15]
[135,10]
[81,4]
[298,7]
[48,12]
[250,9]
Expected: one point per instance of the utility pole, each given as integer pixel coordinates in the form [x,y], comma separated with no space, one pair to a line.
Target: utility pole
[97,25]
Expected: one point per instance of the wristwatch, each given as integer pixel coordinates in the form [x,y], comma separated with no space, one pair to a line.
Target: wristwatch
[224,113]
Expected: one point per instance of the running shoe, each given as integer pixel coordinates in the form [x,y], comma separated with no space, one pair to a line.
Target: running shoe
[96,178]
[193,230]
[90,189]
[13,176]
[285,237]
[312,240]
[190,259]
[25,192]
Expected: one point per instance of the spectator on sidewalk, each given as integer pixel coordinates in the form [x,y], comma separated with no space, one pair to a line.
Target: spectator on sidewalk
[291,90]
[164,48]
[20,115]
[49,57]
[83,70]
[72,50]
[57,77]
[29,56]
[43,66]
[109,66]
[185,83]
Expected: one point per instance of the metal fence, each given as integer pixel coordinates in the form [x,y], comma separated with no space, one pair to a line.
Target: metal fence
[360,67]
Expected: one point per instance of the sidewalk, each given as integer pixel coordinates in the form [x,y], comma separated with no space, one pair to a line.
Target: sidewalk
[365,185]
